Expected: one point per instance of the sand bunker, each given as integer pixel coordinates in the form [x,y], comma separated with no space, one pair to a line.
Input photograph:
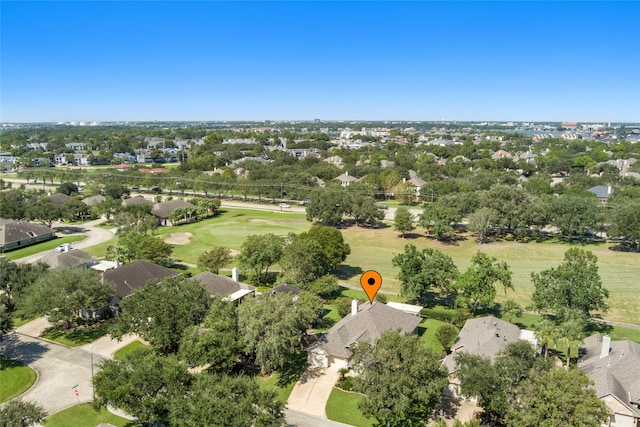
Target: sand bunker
[178,238]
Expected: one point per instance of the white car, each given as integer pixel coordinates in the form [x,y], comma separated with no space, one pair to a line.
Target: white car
[284,206]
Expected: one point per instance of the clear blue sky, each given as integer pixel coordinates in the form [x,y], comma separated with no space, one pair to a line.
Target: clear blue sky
[103,61]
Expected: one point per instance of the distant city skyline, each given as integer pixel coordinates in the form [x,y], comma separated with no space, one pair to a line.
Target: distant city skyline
[349,61]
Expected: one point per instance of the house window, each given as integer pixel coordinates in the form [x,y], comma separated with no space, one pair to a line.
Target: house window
[31,234]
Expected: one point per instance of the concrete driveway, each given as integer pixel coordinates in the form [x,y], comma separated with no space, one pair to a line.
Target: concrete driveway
[59,369]
[311,392]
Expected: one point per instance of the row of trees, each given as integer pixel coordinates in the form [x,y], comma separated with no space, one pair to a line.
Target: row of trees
[504,209]
[305,259]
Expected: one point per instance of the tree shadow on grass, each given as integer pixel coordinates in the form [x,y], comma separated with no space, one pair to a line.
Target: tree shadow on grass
[293,369]
[346,272]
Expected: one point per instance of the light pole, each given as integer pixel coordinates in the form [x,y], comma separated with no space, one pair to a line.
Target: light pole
[93,388]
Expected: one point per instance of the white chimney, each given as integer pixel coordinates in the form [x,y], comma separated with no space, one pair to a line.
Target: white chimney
[354,307]
[234,274]
[609,190]
[606,345]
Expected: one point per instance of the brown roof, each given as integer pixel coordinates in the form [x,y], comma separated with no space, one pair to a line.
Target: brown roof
[483,336]
[163,210]
[221,285]
[71,259]
[15,231]
[59,198]
[367,324]
[131,277]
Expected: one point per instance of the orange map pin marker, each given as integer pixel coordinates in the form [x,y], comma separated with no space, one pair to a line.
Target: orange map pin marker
[371,282]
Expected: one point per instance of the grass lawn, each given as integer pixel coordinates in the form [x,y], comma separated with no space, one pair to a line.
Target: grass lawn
[427,332]
[129,348]
[85,416]
[283,381]
[76,337]
[374,249]
[343,407]
[40,247]
[15,379]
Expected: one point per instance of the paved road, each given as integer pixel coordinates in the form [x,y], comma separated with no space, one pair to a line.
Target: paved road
[95,236]
[59,369]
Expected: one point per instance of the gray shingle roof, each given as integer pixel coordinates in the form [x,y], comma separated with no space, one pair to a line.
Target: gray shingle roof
[286,289]
[136,201]
[221,285]
[59,198]
[164,209]
[616,374]
[601,191]
[131,277]
[12,231]
[71,259]
[483,336]
[367,325]
[93,200]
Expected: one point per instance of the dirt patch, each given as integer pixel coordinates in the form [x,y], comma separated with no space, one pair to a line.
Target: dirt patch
[266,221]
[178,238]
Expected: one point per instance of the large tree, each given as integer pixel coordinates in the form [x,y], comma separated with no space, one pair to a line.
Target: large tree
[213,342]
[403,221]
[161,312]
[477,286]
[271,327]
[143,384]
[303,262]
[402,381]
[625,223]
[556,397]
[331,241]
[421,271]
[214,259]
[258,253]
[225,401]
[19,413]
[574,215]
[493,383]
[65,294]
[481,221]
[574,284]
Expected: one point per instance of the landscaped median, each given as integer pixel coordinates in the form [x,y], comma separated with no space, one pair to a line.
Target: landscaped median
[15,379]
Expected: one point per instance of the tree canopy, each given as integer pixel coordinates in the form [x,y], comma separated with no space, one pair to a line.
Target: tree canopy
[160,312]
[574,284]
[421,271]
[258,253]
[477,285]
[402,381]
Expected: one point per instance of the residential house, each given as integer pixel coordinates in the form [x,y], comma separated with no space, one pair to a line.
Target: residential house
[285,289]
[14,234]
[68,258]
[230,289]
[75,146]
[139,200]
[59,198]
[346,179]
[501,154]
[602,192]
[124,158]
[614,368]
[334,160]
[93,200]
[164,210]
[482,336]
[365,323]
[130,277]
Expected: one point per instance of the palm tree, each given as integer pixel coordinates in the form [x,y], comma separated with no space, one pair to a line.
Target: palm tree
[546,332]
[572,330]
